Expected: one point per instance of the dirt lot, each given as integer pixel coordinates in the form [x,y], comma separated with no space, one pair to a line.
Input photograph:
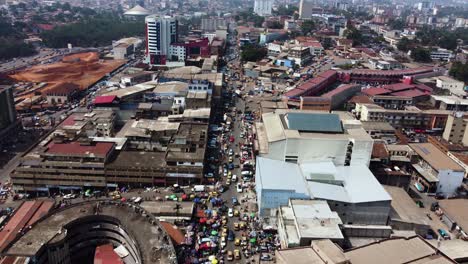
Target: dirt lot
[82,69]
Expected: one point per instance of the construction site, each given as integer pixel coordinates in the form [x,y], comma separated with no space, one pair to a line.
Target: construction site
[78,71]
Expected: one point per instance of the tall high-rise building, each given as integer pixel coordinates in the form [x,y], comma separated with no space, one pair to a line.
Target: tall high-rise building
[263,7]
[7,107]
[305,8]
[161,32]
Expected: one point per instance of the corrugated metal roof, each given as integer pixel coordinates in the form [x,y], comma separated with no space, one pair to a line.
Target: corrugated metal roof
[314,122]
[105,254]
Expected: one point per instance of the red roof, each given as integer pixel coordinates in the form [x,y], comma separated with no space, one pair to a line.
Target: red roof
[17,222]
[45,26]
[310,86]
[410,93]
[41,211]
[424,87]
[107,99]
[398,87]
[379,150]
[393,73]
[173,232]
[70,121]
[376,91]
[361,99]
[339,90]
[314,44]
[105,254]
[306,39]
[100,149]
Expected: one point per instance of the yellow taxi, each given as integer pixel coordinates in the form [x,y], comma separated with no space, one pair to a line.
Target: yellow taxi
[237,254]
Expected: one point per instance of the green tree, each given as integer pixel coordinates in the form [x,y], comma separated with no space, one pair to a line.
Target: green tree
[459,71]
[404,44]
[92,32]
[286,10]
[354,34]
[397,24]
[253,53]
[448,41]
[307,27]
[13,48]
[276,25]
[421,55]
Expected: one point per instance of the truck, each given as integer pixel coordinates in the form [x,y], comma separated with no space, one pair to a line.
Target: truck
[198,188]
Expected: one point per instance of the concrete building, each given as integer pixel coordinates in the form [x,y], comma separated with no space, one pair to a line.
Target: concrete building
[380,130]
[307,136]
[442,54]
[161,32]
[263,7]
[455,216]
[436,172]
[410,117]
[70,235]
[7,108]
[342,94]
[388,251]
[302,221]
[406,214]
[451,102]
[213,24]
[122,51]
[316,103]
[61,93]
[349,190]
[454,86]
[306,9]
[455,129]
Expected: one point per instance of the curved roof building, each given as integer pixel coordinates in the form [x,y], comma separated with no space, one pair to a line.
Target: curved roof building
[71,235]
[137,11]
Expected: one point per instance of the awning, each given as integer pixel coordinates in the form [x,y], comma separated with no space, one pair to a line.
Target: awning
[428,176]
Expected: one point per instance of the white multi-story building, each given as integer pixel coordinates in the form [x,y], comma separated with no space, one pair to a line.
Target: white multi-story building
[177,52]
[303,136]
[263,7]
[442,54]
[161,32]
[437,173]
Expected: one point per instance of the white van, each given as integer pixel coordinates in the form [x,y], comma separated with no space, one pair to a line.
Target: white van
[198,188]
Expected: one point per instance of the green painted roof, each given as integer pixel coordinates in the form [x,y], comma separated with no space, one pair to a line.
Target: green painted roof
[312,122]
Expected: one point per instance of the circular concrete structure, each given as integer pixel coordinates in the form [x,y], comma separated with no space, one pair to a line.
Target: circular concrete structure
[71,235]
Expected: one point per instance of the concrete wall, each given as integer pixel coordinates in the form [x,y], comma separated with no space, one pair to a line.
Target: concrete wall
[321,149]
[375,213]
[363,231]
[449,181]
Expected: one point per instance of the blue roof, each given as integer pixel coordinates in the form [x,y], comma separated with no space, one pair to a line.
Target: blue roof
[314,122]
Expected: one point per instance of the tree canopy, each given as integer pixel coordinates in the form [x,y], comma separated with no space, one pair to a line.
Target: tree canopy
[459,71]
[284,10]
[253,53]
[307,26]
[421,55]
[354,34]
[92,33]
[397,24]
[250,16]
